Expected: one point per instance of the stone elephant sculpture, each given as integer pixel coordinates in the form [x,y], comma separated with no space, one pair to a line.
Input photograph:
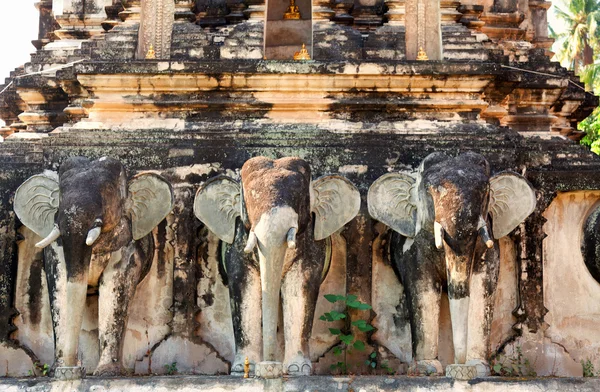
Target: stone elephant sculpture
[286,217]
[89,208]
[443,213]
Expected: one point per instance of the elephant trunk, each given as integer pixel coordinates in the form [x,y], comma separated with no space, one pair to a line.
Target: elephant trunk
[458,272]
[273,236]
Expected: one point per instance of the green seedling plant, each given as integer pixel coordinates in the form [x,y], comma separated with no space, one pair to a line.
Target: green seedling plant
[41,369]
[588,369]
[373,363]
[349,342]
[171,369]
[516,366]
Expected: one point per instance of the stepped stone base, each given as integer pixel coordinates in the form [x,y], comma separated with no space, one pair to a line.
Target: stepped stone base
[314,383]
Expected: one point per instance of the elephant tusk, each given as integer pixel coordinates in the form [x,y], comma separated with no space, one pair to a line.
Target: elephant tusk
[251,242]
[291,237]
[438,233]
[485,234]
[92,236]
[54,234]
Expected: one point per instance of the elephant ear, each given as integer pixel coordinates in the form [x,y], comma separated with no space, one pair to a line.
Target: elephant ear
[150,201]
[36,202]
[335,202]
[217,205]
[512,200]
[392,200]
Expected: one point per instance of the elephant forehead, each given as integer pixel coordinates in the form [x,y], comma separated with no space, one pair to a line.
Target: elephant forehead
[462,178]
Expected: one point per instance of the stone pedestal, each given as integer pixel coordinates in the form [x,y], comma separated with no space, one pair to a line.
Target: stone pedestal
[67,373]
[269,369]
[461,372]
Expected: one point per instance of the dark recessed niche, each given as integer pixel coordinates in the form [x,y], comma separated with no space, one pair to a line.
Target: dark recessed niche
[284,37]
[590,246]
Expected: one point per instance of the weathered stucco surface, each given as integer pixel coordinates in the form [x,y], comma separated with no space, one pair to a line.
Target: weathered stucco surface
[572,296]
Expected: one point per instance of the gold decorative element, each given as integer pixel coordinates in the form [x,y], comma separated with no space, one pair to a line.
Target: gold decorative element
[151,53]
[246,368]
[293,12]
[302,54]
[421,55]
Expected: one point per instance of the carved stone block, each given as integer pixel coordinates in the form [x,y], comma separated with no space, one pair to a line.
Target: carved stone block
[67,373]
[461,372]
[269,369]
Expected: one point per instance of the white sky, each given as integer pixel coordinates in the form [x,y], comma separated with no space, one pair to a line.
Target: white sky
[18,27]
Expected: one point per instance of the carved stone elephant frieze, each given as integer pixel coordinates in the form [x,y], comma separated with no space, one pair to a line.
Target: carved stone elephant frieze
[88,209]
[448,214]
[285,217]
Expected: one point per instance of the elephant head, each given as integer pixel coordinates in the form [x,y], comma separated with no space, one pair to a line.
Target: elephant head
[451,201]
[91,207]
[284,212]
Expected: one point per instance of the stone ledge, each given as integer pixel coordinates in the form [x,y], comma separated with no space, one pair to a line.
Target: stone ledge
[315,383]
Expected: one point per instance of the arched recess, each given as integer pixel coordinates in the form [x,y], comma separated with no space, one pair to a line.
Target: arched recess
[284,37]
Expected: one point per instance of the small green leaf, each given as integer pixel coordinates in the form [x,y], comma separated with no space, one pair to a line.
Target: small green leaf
[366,328]
[353,304]
[497,368]
[351,298]
[333,367]
[331,298]
[347,339]
[368,363]
[359,345]
[335,331]
[337,350]
[362,306]
[336,315]
[328,317]
[373,354]
[322,318]
[373,365]
[359,323]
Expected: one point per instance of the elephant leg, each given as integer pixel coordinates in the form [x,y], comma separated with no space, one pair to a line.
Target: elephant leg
[484,281]
[68,294]
[421,277]
[243,278]
[300,291]
[117,287]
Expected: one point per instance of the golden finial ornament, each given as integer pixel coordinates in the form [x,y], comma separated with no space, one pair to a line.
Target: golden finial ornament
[421,55]
[302,54]
[151,55]
[293,12]
[246,368]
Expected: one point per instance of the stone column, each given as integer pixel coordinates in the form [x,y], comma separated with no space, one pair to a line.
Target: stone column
[539,20]
[47,24]
[79,20]
[396,14]
[366,16]
[183,11]
[255,11]
[212,13]
[423,29]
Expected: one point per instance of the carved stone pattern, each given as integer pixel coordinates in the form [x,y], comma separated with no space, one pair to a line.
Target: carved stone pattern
[69,373]
[268,369]
[461,372]
[421,23]
[156,28]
